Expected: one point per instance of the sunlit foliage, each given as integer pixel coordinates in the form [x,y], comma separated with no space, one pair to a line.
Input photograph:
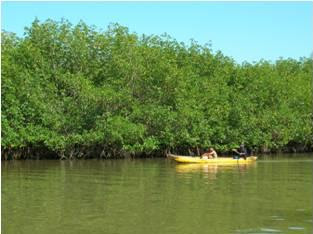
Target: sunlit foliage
[72,91]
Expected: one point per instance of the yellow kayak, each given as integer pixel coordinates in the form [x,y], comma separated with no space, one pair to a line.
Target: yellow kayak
[219,160]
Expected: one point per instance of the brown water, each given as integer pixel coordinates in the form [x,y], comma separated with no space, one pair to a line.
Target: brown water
[274,195]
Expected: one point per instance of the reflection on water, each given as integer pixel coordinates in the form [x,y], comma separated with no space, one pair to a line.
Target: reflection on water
[210,170]
[194,167]
[296,228]
[156,196]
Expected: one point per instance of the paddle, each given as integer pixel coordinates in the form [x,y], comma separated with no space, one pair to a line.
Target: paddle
[240,154]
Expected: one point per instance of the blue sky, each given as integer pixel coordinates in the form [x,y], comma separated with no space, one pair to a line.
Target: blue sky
[245,31]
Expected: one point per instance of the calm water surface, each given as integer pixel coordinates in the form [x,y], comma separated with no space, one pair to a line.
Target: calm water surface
[274,195]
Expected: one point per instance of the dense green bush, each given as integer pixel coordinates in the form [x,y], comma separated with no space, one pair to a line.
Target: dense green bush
[72,91]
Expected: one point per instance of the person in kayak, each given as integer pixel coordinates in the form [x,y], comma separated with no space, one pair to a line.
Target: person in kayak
[241,152]
[211,153]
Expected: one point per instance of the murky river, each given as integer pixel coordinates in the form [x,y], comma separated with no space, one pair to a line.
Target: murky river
[273,195]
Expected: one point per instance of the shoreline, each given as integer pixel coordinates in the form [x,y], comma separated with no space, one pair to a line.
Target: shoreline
[44,154]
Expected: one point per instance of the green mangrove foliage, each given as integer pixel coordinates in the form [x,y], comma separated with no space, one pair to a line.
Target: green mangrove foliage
[72,91]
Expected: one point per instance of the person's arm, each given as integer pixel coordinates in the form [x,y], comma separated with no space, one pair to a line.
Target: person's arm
[236,151]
